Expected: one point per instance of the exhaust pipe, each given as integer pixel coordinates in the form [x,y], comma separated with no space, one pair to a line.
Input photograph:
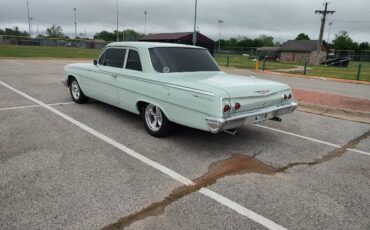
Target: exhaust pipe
[231,132]
[278,119]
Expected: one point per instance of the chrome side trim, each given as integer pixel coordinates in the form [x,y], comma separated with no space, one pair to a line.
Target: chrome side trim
[150,81]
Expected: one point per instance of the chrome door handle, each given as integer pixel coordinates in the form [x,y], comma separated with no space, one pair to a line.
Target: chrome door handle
[114,75]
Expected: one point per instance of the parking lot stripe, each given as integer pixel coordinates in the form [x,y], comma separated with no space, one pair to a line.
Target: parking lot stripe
[19,107]
[169,172]
[359,151]
[240,209]
[300,136]
[14,62]
[32,106]
[311,139]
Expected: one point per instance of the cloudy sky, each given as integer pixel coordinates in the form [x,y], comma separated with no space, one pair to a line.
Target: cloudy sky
[282,19]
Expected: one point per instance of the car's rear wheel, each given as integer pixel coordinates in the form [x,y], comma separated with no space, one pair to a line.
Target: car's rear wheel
[155,121]
[76,93]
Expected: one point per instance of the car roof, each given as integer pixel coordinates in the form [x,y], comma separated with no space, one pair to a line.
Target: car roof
[150,45]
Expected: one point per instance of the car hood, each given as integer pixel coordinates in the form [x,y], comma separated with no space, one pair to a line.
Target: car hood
[233,85]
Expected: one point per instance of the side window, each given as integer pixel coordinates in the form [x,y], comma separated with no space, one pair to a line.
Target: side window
[101,59]
[113,57]
[133,61]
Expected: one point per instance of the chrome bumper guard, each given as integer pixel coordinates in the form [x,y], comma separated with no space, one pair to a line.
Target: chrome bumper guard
[219,124]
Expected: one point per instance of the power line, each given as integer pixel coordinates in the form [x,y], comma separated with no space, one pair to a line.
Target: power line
[350,21]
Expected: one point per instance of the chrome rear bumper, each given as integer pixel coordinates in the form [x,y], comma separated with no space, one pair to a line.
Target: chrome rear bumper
[219,124]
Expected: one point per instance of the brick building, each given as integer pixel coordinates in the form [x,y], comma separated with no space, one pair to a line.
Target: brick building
[299,51]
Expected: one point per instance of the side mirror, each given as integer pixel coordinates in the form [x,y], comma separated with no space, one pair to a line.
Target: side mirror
[95,62]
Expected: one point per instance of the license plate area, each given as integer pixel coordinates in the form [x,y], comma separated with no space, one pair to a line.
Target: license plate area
[260,118]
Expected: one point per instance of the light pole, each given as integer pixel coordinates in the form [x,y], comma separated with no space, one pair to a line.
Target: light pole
[145,13]
[330,24]
[117,19]
[195,23]
[219,39]
[75,10]
[28,17]
[31,18]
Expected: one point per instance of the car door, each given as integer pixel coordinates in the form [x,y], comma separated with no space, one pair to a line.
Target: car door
[103,84]
[130,84]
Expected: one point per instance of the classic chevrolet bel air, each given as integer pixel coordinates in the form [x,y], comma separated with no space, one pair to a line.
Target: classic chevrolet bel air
[172,83]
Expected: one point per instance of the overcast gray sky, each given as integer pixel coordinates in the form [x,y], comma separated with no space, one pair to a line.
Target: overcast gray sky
[282,19]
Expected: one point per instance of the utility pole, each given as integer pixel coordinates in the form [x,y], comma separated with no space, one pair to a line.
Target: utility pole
[123,34]
[117,19]
[145,13]
[28,17]
[195,24]
[219,37]
[330,24]
[75,10]
[323,20]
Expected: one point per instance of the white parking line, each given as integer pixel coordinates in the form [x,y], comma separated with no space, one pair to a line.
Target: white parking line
[169,172]
[359,151]
[14,62]
[19,107]
[32,106]
[312,139]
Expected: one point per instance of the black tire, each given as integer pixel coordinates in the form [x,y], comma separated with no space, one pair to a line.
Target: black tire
[155,121]
[76,92]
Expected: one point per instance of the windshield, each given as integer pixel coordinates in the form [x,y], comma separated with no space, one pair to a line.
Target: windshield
[178,59]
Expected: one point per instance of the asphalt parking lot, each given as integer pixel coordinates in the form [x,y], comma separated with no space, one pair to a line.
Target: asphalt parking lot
[93,166]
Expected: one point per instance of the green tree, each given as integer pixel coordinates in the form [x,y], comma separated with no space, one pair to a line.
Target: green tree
[128,35]
[55,31]
[246,42]
[364,46]
[343,41]
[265,40]
[302,36]
[13,32]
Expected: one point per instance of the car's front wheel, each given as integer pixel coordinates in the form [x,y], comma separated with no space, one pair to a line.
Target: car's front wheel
[155,121]
[76,93]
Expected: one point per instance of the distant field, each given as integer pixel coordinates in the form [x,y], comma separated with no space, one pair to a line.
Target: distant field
[46,51]
[349,72]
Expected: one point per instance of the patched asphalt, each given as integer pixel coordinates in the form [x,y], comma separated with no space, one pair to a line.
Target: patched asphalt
[55,175]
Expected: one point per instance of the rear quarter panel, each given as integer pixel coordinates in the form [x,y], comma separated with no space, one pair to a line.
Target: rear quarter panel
[181,105]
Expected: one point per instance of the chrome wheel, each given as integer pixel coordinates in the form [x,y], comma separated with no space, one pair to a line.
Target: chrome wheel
[75,90]
[153,117]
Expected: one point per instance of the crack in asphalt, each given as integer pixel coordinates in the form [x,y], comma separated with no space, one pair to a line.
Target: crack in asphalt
[234,165]
[337,152]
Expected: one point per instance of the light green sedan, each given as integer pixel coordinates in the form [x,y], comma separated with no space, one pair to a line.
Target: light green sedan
[172,83]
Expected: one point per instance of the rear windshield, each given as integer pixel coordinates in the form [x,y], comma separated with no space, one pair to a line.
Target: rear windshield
[178,59]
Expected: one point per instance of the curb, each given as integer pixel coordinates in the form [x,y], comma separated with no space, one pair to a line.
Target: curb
[350,115]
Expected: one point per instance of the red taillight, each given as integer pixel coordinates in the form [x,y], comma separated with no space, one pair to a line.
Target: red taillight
[226,108]
[237,106]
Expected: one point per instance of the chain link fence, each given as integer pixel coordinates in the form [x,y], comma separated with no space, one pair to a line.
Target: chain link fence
[357,69]
[61,42]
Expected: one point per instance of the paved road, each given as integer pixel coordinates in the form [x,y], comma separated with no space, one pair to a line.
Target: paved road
[345,89]
[308,172]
